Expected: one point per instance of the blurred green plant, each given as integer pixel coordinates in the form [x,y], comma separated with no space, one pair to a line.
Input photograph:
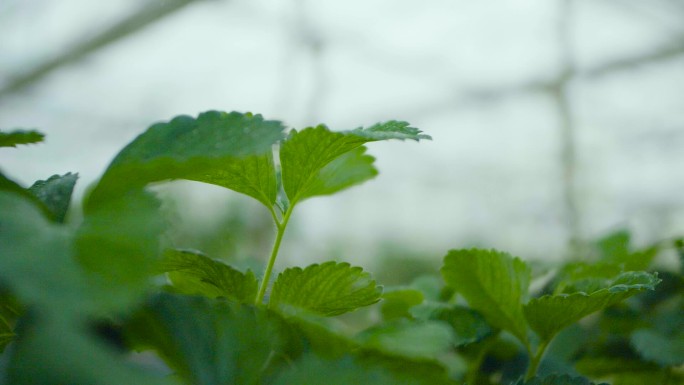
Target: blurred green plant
[75,301]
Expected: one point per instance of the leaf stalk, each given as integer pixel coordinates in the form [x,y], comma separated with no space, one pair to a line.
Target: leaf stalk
[536,359]
[280,226]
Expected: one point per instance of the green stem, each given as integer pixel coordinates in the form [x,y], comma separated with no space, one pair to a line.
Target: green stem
[536,360]
[274,253]
[474,371]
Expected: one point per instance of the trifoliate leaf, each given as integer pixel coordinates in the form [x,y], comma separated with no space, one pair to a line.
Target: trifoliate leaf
[556,379]
[493,283]
[549,314]
[304,154]
[118,243]
[253,175]
[328,289]
[397,302]
[195,273]
[411,339]
[13,138]
[659,348]
[211,342]
[188,148]
[55,193]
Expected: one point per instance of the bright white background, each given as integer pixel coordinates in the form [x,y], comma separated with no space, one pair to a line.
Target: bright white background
[476,75]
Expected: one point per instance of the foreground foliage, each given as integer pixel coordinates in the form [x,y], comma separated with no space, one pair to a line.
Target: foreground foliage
[79,301]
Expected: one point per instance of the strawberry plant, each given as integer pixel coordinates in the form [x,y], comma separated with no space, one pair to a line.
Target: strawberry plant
[99,301]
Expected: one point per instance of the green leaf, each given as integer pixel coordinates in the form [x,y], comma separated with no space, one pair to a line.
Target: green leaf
[604,366]
[187,148]
[328,289]
[493,283]
[549,314]
[398,301]
[468,325]
[319,336]
[195,273]
[391,130]
[6,333]
[312,370]
[13,138]
[254,176]
[411,339]
[55,193]
[305,154]
[349,169]
[52,353]
[118,244]
[6,336]
[615,248]
[556,379]
[653,377]
[659,348]
[11,186]
[37,264]
[367,368]
[211,342]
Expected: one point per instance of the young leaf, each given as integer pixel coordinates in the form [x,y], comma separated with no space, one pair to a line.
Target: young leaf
[13,138]
[304,155]
[55,193]
[411,339]
[661,349]
[549,314]
[254,176]
[328,289]
[188,148]
[493,283]
[194,273]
